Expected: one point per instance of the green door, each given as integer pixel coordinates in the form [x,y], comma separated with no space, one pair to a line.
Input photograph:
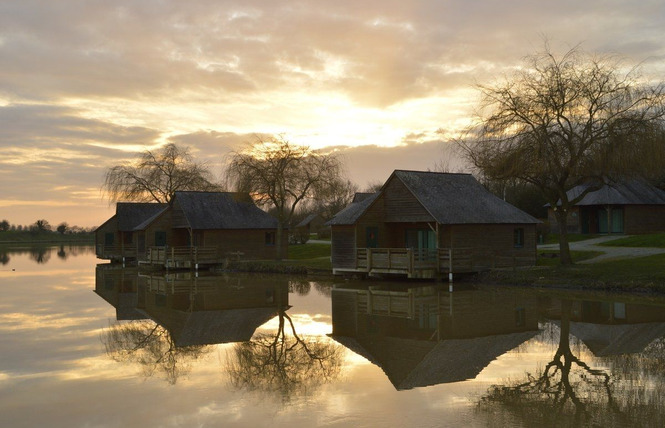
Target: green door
[372,237]
[160,238]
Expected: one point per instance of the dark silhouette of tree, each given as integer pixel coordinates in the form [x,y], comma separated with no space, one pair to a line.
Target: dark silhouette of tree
[281,175]
[42,226]
[284,364]
[156,176]
[62,228]
[566,121]
[4,226]
[40,254]
[569,392]
[151,347]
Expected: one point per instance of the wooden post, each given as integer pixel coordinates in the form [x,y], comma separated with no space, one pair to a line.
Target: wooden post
[369,260]
[450,265]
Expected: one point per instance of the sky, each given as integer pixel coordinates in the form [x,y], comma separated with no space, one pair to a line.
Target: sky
[89,84]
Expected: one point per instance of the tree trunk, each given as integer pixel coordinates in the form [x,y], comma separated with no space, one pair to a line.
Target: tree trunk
[564,247]
[278,240]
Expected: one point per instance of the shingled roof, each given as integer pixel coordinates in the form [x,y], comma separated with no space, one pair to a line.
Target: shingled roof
[222,210]
[449,198]
[633,192]
[131,214]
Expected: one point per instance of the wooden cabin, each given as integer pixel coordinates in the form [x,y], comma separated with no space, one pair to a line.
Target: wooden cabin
[631,207]
[208,228]
[313,223]
[115,239]
[424,224]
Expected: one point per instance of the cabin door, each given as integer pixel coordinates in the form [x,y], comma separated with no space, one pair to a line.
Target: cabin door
[421,240]
[372,237]
[109,239]
[160,238]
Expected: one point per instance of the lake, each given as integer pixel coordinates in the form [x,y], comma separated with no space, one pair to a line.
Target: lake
[85,344]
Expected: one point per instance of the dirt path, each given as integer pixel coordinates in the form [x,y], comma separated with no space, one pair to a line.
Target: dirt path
[611,253]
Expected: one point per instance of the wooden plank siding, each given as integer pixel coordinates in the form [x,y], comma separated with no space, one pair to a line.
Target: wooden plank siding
[343,246]
[401,206]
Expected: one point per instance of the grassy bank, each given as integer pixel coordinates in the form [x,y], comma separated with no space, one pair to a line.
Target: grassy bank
[14,237]
[655,240]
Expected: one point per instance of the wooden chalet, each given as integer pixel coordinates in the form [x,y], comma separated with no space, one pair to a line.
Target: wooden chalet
[206,228]
[313,223]
[631,207]
[115,239]
[424,224]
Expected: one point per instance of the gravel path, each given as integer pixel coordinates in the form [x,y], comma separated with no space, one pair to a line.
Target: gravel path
[611,253]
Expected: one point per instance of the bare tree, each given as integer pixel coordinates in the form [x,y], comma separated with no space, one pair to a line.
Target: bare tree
[42,225]
[337,196]
[566,121]
[281,175]
[156,176]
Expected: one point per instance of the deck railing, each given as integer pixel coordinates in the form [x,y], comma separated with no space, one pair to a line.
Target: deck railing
[409,260]
[116,251]
[181,256]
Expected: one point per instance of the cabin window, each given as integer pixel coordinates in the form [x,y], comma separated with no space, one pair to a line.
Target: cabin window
[270,238]
[518,237]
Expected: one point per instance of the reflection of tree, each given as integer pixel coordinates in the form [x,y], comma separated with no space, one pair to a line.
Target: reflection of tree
[283,363]
[300,286]
[151,346]
[567,391]
[40,254]
[62,254]
[4,257]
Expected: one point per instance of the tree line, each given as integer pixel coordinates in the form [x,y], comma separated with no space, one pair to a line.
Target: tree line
[43,226]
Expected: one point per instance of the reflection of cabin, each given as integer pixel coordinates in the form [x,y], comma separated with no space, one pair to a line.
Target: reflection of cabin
[426,336]
[422,224]
[632,207]
[207,228]
[211,309]
[611,327]
[118,286]
[115,239]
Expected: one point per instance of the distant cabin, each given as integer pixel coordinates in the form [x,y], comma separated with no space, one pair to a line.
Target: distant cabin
[196,228]
[313,223]
[631,207]
[423,224]
[115,238]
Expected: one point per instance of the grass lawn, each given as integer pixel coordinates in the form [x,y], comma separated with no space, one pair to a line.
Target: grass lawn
[308,251]
[655,240]
[578,256]
[572,237]
[645,274]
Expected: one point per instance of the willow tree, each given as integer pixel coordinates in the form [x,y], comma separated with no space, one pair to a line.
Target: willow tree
[565,121]
[156,176]
[281,175]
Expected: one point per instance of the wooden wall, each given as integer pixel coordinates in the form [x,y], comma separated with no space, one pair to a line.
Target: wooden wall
[250,242]
[401,206]
[492,244]
[643,219]
[343,246]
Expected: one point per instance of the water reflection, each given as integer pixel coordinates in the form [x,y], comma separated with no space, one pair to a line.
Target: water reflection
[42,254]
[619,381]
[176,318]
[428,335]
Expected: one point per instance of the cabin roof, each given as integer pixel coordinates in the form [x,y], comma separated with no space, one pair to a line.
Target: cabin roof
[222,210]
[632,192]
[131,214]
[353,211]
[449,198]
[307,220]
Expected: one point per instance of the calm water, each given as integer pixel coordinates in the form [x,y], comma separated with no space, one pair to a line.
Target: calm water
[88,345]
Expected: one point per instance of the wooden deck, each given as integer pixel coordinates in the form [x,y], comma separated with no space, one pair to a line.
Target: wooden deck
[116,252]
[182,257]
[411,262]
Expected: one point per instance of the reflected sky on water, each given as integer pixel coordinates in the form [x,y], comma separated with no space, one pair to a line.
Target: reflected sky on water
[98,345]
